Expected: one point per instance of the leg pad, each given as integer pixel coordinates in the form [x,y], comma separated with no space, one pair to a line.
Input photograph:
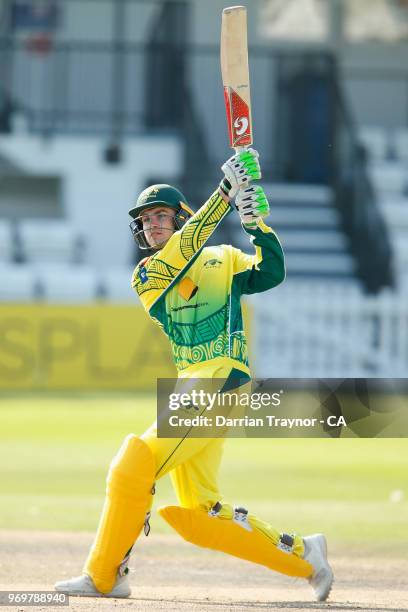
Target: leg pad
[198,527]
[128,499]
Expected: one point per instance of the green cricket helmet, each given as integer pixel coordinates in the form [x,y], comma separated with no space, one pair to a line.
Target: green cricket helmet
[158,195]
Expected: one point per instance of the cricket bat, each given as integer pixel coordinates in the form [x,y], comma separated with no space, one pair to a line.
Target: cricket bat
[235,76]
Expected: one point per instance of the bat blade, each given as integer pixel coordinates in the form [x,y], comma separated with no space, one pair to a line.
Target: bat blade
[235,75]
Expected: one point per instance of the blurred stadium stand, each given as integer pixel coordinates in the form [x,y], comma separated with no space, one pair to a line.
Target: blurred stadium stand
[67,284]
[308,226]
[97,101]
[388,169]
[376,142]
[116,285]
[7,241]
[18,283]
[328,330]
[45,240]
[400,143]
[389,176]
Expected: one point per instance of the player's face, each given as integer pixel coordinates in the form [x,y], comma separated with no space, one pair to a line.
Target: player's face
[158,225]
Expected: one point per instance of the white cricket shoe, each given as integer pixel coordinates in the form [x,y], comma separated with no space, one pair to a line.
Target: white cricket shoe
[316,553]
[83,586]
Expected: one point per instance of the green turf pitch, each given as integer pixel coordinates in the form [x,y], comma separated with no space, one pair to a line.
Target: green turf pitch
[55,450]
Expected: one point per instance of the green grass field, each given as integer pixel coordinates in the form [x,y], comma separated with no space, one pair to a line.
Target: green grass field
[55,450]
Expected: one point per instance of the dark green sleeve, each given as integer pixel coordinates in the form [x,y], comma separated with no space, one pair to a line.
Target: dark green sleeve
[265,269]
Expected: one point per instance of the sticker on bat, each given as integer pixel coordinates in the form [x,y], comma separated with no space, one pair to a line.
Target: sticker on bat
[238,117]
[241,125]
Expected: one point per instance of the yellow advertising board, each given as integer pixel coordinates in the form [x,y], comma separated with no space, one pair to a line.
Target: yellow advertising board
[81,347]
[95,346]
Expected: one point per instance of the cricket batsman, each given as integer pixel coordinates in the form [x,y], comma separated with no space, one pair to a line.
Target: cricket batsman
[193,293]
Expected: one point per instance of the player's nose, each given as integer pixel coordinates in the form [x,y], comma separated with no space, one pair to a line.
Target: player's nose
[154,222]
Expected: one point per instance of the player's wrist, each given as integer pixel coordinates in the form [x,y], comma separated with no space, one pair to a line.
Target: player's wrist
[223,196]
[224,189]
[250,224]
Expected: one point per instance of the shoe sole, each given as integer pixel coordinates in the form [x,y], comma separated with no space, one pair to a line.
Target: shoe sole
[119,595]
[108,596]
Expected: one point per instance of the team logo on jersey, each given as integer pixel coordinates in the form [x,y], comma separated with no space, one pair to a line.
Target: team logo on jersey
[143,274]
[213,263]
[187,289]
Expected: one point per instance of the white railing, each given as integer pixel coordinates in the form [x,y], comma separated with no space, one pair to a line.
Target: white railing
[323,330]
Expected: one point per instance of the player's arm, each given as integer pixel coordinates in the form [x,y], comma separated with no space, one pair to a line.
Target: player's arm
[266,268]
[156,275]
[184,244]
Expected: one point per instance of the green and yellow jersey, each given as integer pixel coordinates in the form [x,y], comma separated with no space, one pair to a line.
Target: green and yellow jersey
[193,292]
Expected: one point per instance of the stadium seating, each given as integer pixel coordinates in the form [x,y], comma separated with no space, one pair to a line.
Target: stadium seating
[388,169]
[116,285]
[319,264]
[330,329]
[68,283]
[309,228]
[385,145]
[395,210]
[328,239]
[17,283]
[376,142]
[45,240]
[389,176]
[64,283]
[6,242]
[400,144]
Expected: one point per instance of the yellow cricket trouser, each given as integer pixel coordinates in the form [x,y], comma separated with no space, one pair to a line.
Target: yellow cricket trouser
[193,465]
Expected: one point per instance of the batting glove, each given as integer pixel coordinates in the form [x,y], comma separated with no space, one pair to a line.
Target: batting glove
[239,170]
[252,205]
